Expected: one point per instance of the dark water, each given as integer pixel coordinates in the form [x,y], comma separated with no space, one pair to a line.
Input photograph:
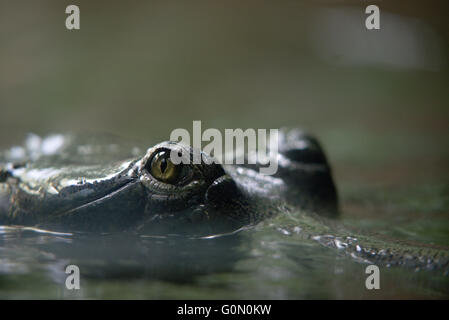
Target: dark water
[376,100]
[272,260]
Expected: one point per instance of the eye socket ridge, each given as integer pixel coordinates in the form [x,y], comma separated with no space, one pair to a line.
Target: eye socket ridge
[160,170]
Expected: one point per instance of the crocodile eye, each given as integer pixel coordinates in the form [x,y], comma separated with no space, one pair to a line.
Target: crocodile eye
[162,168]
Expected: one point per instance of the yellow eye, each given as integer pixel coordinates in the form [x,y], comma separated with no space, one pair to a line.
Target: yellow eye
[163,169]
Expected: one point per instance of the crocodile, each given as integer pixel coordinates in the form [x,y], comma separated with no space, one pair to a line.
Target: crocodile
[64,183]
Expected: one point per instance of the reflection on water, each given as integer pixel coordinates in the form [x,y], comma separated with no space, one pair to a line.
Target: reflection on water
[276,259]
[145,68]
[128,256]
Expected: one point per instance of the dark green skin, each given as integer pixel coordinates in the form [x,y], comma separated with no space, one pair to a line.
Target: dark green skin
[99,187]
[70,190]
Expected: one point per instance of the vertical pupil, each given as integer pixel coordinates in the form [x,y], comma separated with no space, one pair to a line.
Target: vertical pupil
[163,165]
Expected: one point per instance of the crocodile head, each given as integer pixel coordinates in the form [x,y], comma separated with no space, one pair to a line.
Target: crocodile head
[154,195]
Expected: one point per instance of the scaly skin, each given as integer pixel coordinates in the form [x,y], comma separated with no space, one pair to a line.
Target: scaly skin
[65,184]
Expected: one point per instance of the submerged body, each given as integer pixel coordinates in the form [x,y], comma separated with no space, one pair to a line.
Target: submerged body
[63,184]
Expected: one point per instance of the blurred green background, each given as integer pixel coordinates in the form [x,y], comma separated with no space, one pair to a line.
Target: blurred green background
[378,100]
